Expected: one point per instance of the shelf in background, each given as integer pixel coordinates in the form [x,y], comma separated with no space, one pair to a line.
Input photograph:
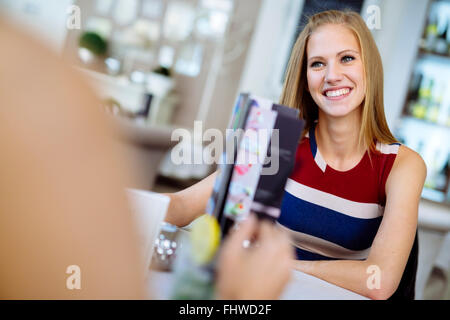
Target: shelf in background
[430,140]
[425,123]
[433,58]
[434,196]
[445,57]
[430,80]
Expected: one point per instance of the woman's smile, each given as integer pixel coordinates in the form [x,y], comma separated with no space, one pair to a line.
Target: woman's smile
[337,93]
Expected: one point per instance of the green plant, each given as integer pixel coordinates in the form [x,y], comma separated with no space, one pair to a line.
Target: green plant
[94,43]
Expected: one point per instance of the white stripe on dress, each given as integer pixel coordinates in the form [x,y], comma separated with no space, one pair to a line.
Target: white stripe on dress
[387,148]
[320,161]
[350,208]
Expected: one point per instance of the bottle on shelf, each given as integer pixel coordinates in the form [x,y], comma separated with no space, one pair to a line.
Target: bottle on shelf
[413,92]
[444,111]
[431,32]
[446,171]
[437,176]
[420,147]
[435,101]
[419,108]
[414,85]
[447,37]
[442,177]
[441,45]
[432,170]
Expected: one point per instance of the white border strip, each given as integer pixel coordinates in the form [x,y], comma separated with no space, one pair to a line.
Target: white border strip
[387,148]
[323,247]
[351,208]
[320,161]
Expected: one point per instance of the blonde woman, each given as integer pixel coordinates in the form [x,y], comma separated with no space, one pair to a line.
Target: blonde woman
[351,203]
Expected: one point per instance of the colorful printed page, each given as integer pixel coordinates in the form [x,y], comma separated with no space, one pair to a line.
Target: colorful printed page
[249,162]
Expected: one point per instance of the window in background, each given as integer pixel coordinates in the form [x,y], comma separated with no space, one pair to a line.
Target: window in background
[166,56]
[152,9]
[186,36]
[190,60]
[179,21]
[147,30]
[190,26]
[211,23]
[221,5]
[102,26]
[44,19]
[103,7]
[125,11]
[213,18]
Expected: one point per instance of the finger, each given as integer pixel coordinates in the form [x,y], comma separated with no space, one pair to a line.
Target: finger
[266,232]
[281,236]
[275,241]
[283,241]
[246,230]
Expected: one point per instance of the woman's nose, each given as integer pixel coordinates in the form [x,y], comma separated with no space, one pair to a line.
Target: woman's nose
[333,73]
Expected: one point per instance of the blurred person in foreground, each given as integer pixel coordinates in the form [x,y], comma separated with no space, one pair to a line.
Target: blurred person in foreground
[62,199]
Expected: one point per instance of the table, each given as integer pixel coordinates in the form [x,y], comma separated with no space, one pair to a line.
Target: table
[301,287]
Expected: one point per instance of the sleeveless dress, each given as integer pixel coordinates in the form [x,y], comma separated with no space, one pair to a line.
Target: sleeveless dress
[334,215]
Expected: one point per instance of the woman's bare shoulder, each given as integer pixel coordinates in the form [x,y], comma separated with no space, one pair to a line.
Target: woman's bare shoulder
[409,163]
[409,157]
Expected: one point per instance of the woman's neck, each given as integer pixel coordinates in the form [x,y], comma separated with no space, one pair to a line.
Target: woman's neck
[338,140]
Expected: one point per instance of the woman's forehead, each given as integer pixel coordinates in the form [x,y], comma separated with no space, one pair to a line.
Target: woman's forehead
[331,39]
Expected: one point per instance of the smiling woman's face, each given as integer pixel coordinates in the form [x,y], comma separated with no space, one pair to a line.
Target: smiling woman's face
[335,70]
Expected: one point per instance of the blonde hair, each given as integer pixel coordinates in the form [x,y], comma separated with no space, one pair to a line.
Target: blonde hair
[374,126]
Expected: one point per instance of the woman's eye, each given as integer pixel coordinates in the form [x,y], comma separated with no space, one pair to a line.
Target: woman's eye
[347,58]
[316,64]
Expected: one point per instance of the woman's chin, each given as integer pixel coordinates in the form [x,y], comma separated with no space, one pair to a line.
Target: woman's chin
[337,111]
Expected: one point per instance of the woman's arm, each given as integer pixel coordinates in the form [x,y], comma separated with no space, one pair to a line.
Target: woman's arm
[190,203]
[393,242]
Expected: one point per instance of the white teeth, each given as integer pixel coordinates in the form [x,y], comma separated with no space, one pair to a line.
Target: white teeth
[337,93]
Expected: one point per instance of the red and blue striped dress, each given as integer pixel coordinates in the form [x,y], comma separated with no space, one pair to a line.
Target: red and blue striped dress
[335,215]
[332,214]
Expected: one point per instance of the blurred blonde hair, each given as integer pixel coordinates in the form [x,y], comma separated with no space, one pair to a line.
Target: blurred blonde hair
[295,94]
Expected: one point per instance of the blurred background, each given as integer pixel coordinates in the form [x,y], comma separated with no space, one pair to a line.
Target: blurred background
[163,64]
